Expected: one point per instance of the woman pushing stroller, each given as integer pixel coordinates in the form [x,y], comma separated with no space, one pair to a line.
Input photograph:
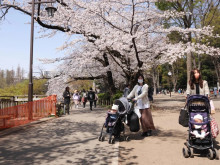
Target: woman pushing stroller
[196,85]
[198,107]
[140,94]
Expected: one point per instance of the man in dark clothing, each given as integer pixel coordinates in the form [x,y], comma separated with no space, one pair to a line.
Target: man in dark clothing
[150,94]
[66,96]
[126,91]
[91,97]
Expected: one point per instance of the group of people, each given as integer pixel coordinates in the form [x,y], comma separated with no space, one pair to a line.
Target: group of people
[140,94]
[78,98]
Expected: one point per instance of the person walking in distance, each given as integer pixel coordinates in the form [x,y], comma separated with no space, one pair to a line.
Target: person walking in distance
[66,96]
[126,90]
[91,97]
[96,98]
[76,98]
[84,98]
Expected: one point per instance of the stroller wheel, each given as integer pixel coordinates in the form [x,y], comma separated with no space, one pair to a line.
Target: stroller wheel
[103,138]
[210,155]
[111,141]
[216,154]
[127,138]
[191,153]
[185,152]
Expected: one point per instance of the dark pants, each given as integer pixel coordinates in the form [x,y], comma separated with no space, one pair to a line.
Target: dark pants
[91,103]
[84,104]
[95,103]
[66,108]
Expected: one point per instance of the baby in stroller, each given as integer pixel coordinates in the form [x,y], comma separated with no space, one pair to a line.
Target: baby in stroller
[111,119]
[114,122]
[199,131]
[199,137]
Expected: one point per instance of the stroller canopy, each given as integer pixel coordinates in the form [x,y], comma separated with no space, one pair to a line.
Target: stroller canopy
[123,105]
[198,102]
[198,97]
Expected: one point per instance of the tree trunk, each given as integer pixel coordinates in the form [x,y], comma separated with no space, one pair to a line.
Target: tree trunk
[158,79]
[154,77]
[216,62]
[174,77]
[189,66]
[109,76]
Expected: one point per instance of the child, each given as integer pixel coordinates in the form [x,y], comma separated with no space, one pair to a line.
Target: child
[200,130]
[111,116]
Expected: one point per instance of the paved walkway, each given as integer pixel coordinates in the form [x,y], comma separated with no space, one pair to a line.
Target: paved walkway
[72,139]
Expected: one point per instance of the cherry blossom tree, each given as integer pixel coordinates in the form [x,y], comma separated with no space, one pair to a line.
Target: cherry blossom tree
[113,40]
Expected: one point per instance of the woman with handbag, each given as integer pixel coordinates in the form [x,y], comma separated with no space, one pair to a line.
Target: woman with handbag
[140,94]
[197,86]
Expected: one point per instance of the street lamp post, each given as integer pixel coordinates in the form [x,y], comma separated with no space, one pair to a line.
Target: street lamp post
[30,86]
[170,74]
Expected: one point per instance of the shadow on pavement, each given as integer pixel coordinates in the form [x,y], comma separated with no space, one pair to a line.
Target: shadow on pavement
[165,135]
[123,156]
[59,141]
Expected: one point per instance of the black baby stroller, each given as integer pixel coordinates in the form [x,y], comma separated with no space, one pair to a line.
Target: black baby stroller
[199,105]
[114,124]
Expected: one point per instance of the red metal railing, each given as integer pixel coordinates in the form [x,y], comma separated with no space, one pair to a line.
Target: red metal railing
[28,112]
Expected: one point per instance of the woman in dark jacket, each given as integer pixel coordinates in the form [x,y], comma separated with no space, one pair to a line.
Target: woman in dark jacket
[66,96]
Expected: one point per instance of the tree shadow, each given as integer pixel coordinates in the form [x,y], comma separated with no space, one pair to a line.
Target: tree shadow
[59,141]
[123,156]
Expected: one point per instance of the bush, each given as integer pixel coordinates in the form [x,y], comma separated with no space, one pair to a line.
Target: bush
[117,95]
[107,96]
[104,96]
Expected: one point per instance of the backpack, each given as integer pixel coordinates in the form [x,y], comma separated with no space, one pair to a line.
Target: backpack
[91,95]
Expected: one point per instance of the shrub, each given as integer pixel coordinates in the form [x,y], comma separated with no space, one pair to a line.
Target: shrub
[117,95]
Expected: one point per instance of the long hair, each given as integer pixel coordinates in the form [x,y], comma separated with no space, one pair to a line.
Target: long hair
[140,75]
[67,88]
[192,80]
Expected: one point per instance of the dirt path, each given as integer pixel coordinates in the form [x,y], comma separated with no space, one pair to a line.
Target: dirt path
[165,146]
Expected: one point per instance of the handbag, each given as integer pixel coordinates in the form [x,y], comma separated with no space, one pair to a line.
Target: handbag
[133,122]
[212,107]
[214,128]
[184,117]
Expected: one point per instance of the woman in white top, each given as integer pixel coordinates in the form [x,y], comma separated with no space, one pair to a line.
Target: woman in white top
[196,85]
[140,94]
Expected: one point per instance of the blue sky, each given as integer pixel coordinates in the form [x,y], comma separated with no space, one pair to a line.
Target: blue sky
[15,44]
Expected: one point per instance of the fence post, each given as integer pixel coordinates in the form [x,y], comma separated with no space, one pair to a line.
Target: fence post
[30,110]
